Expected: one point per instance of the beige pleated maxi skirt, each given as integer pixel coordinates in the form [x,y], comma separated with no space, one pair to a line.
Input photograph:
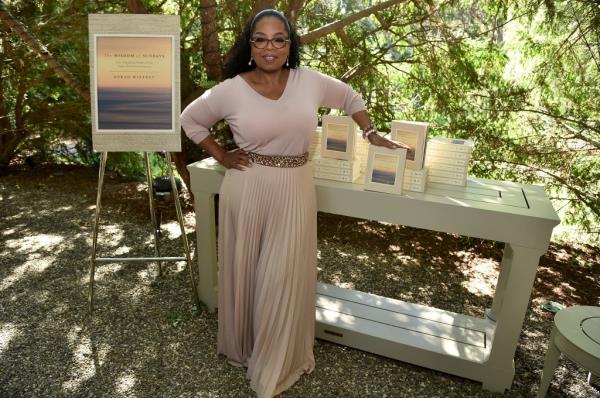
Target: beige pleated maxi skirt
[267,251]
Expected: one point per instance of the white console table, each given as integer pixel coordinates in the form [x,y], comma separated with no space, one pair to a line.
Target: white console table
[480,349]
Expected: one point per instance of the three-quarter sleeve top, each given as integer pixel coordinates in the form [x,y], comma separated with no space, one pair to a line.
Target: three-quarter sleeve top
[266,126]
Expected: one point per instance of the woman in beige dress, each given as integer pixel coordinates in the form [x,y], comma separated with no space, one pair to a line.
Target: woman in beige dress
[267,244]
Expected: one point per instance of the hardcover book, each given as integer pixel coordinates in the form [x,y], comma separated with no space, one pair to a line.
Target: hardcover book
[434,153]
[429,161]
[447,174]
[343,164]
[450,144]
[336,177]
[385,169]
[413,134]
[339,135]
[450,181]
[416,173]
[446,167]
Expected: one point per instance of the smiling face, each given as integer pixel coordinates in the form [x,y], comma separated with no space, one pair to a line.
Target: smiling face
[270,58]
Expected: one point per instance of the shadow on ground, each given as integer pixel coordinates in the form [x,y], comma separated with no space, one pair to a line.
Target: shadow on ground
[146,338]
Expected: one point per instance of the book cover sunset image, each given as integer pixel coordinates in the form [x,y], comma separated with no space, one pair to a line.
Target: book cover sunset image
[384,169]
[134,82]
[337,137]
[409,139]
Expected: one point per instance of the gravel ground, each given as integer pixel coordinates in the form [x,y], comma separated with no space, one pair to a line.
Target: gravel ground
[147,339]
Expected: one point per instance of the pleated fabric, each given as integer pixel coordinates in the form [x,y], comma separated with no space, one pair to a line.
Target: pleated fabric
[267,249]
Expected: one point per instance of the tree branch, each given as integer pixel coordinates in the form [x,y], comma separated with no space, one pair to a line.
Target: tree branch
[333,27]
[7,18]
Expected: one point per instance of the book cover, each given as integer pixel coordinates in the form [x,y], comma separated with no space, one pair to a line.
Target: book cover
[413,134]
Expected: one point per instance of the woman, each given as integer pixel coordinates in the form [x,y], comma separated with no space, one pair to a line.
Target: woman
[267,243]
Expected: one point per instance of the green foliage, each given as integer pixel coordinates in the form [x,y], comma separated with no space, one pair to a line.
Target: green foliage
[522,78]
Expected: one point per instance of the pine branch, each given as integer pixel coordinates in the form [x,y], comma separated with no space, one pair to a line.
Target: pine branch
[333,27]
[21,30]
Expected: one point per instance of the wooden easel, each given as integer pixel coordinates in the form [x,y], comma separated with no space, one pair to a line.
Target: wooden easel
[157,257]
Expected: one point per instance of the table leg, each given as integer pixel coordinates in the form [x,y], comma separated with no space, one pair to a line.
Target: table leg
[511,314]
[550,364]
[206,239]
[507,257]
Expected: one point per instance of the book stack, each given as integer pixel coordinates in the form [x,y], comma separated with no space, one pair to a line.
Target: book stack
[315,144]
[448,160]
[415,180]
[336,169]
[361,152]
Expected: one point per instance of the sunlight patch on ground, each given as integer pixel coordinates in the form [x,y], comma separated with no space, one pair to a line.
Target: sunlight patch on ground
[137,293]
[8,231]
[335,280]
[125,383]
[110,235]
[101,272]
[477,281]
[120,251]
[8,331]
[36,263]
[149,273]
[83,367]
[393,277]
[404,259]
[343,254]
[171,230]
[34,243]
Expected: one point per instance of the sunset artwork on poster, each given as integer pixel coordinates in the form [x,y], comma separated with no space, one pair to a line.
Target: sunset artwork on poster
[338,135]
[385,169]
[413,134]
[134,82]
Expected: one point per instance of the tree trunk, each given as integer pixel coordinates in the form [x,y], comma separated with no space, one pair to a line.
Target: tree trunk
[211,48]
[10,138]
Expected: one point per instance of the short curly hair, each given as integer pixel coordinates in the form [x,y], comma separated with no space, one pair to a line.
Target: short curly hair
[240,52]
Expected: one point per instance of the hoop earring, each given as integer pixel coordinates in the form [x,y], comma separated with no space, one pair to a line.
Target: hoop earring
[287,61]
[250,62]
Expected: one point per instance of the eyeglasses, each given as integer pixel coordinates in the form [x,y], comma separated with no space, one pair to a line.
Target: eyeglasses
[261,42]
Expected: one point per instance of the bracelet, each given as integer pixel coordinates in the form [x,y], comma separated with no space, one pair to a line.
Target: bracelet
[370,129]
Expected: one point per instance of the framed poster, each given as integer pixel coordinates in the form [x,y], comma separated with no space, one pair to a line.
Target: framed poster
[338,135]
[385,169]
[413,134]
[134,80]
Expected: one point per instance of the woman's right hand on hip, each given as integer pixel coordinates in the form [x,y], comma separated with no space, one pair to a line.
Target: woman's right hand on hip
[237,159]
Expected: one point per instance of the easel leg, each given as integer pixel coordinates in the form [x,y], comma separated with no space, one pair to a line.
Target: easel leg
[152,214]
[186,246]
[95,231]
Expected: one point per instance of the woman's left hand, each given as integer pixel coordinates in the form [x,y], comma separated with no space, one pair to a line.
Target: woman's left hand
[378,140]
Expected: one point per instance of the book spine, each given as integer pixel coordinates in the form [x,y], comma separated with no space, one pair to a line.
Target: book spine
[450,181]
[344,164]
[448,167]
[416,173]
[333,170]
[447,174]
[431,159]
[414,180]
[335,177]
[433,153]
[443,147]
[413,188]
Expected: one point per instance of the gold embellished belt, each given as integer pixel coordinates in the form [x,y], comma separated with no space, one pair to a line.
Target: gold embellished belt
[279,160]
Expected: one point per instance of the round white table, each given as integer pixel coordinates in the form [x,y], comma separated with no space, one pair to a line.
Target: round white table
[576,334]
